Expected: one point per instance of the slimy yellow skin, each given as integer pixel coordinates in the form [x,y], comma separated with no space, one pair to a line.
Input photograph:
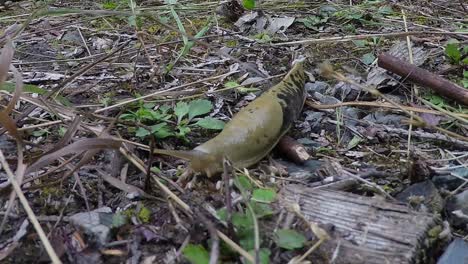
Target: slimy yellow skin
[254,131]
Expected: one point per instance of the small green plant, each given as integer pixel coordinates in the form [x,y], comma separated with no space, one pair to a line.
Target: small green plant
[166,121]
[257,206]
[262,37]
[458,55]
[316,22]
[455,53]
[248,4]
[196,254]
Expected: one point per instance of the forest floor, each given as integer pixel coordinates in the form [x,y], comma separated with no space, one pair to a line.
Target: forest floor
[106,82]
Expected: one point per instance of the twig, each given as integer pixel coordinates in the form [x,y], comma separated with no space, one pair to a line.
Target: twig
[414,90]
[84,41]
[365,36]
[423,77]
[458,116]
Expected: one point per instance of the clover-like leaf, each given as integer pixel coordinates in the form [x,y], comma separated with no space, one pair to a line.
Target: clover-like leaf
[289,239]
[196,254]
[264,195]
[141,132]
[161,130]
[199,107]
[368,58]
[453,53]
[181,109]
[210,123]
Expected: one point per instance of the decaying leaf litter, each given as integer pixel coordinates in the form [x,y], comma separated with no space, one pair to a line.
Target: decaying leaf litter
[105,83]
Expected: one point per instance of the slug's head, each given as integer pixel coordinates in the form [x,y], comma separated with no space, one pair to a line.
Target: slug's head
[205,163]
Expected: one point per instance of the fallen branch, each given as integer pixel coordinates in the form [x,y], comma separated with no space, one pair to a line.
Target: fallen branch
[423,78]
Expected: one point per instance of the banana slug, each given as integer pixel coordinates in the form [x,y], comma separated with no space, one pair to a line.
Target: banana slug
[254,131]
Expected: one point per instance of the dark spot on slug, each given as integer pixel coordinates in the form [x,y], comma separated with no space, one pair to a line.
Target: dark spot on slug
[293,94]
[257,140]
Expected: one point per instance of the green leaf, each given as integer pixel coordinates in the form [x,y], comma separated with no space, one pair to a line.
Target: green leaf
[242,221]
[360,43]
[144,215]
[240,89]
[109,5]
[262,37]
[181,110]
[465,61]
[437,100]
[39,133]
[160,116]
[244,182]
[196,254]
[264,195]
[264,255]
[183,131]
[453,53]
[128,116]
[354,142]
[161,130]
[289,239]
[248,4]
[210,123]
[311,22]
[247,241]
[149,105]
[132,21]
[465,83]
[118,220]
[144,114]
[261,209]
[368,58]
[222,214]
[385,10]
[231,84]
[199,107]
[141,132]
[61,131]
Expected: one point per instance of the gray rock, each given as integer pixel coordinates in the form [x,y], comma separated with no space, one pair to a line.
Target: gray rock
[96,223]
[317,86]
[456,252]
[423,196]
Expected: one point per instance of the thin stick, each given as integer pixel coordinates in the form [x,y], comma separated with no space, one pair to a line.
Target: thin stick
[413,89]
[48,247]
[236,247]
[364,36]
[459,116]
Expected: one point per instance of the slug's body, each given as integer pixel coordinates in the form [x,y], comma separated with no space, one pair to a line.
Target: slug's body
[254,131]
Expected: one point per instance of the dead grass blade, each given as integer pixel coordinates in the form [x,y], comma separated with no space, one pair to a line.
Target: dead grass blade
[9,125]
[5,60]
[67,136]
[88,144]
